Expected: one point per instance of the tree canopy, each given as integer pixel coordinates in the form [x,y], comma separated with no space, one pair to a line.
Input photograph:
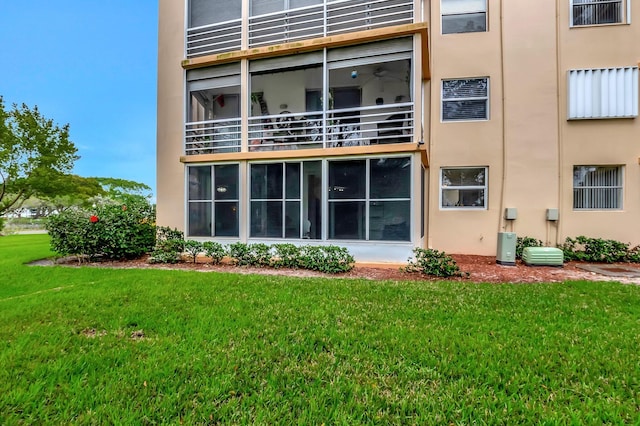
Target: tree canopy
[36,156]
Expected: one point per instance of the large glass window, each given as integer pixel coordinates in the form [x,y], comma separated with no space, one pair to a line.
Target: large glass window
[285,200]
[597,12]
[213,110]
[370,96]
[280,102]
[463,188]
[463,16]
[204,12]
[369,199]
[213,201]
[465,99]
[261,7]
[597,187]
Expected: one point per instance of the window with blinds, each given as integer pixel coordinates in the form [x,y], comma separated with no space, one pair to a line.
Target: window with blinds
[465,99]
[600,12]
[597,187]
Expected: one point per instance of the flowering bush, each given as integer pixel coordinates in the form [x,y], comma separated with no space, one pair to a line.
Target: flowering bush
[109,230]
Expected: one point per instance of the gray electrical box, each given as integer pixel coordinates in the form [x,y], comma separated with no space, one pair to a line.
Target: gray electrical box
[510,213]
[506,248]
[552,214]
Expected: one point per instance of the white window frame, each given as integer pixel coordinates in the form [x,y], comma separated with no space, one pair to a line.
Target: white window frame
[625,6]
[368,200]
[484,188]
[211,200]
[465,12]
[473,98]
[619,186]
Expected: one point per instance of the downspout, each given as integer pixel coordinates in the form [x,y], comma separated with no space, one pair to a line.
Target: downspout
[560,128]
[501,223]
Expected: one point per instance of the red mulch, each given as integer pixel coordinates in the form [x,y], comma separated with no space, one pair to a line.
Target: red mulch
[479,269]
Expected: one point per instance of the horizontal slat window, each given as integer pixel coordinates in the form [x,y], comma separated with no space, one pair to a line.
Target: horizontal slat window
[603,93]
[597,187]
[465,99]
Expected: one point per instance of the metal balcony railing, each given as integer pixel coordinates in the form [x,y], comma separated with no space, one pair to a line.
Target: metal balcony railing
[333,17]
[216,38]
[212,137]
[335,128]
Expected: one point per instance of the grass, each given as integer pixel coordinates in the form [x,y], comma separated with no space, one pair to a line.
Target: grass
[237,349]
[13,225]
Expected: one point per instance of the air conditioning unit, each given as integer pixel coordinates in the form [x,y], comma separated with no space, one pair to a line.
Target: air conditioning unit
[506,248]
[542,256]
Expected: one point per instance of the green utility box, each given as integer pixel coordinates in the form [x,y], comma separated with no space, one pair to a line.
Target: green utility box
[506,248]
[542,256]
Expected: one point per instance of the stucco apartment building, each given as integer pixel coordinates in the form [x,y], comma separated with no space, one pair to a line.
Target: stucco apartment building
[385,125]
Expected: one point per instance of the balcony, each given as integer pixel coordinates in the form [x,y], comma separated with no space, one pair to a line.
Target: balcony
[330,18]
[363,126]
[212,137]
[333,129]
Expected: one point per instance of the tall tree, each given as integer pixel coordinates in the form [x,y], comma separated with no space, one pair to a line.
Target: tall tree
[34,153]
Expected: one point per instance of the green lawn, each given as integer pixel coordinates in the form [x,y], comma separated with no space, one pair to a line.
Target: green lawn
[237,349]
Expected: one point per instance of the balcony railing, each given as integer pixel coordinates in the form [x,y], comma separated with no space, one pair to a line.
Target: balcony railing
[322,20]
[212,137]
[335,128]
[212,39]
[334,17]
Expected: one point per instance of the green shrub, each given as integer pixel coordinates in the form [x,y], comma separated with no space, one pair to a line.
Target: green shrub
[286,256]
[73,233]
[260,254]
[595,250]
[433,262]
[523,242]
[240,254]
[113,231]
[165,233]
[327,259]
[633,255]
[169,246]
[2,223]
[193,249]
[214,250]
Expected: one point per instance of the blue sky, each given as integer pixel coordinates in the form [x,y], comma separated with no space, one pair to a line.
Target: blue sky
[92,64]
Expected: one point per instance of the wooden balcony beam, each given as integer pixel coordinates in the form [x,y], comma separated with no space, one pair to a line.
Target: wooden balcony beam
[340,40]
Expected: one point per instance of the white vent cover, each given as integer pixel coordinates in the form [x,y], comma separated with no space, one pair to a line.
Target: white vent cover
[603,93]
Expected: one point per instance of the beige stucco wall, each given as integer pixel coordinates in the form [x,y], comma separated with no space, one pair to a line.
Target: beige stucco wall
[600,142]
[170,171]
[528,144]
[473,143]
